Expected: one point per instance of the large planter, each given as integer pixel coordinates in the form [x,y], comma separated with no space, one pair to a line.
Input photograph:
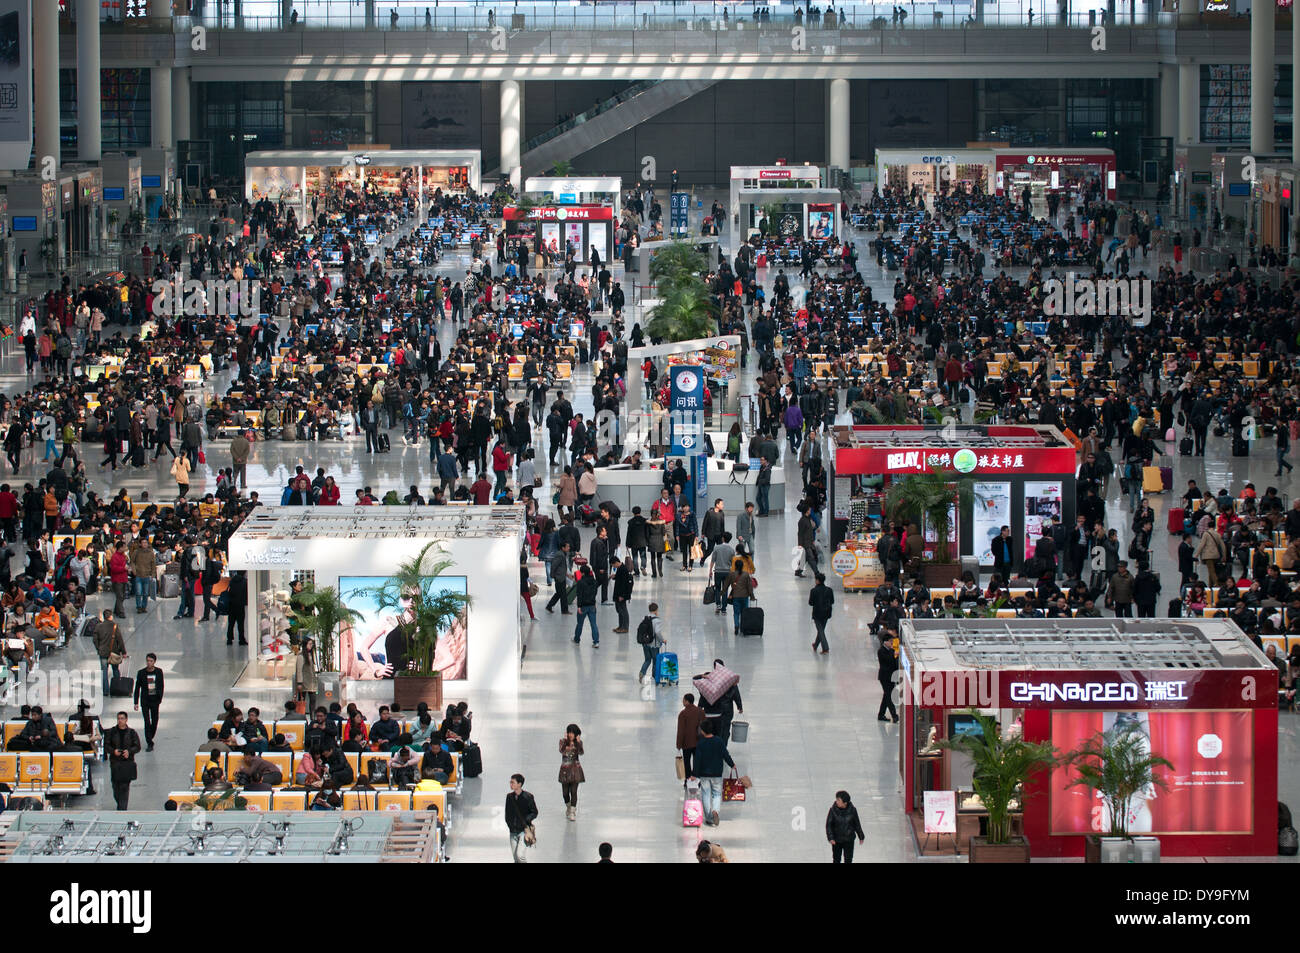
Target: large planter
[410,690]
[939,575]
[1014,852]
[1116,850]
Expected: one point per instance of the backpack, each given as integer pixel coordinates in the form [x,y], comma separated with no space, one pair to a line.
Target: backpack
[645,631]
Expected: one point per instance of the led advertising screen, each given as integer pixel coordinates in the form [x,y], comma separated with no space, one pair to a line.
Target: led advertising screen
[369,647]
[821,222]
[1042,500]
[1208,790]
[992,512]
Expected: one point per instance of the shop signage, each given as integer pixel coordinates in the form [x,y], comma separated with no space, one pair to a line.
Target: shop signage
[1028,460]
[774,173]
[1039,159]
[570,213]
[273,556]
[1222,688]
[687,392]
[940,812]
[938,160]
[844,562]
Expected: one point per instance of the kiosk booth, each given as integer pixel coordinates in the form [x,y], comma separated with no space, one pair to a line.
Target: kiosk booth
[554,226]
[1022,475]
[957,170]
[296,176]
[122,185]
[1199,690]
[581,190]
[775,185]
[1051,170]
[352,547]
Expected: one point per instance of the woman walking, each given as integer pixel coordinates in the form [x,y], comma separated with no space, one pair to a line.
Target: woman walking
[304,675]
[181,472]
[526,590]
[566,492]
[571,769]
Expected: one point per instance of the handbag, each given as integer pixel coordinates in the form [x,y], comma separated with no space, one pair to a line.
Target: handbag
[533,590]
[732,789]
[115,658]
[681,768]
[530,836]
[202,457]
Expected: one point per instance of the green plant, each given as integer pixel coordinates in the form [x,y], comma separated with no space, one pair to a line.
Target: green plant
[325,614]
[1001,766]
[683,314]
[1118,765]
[422,612]
[678,264]
[927,497]
[227,800]
[562,168]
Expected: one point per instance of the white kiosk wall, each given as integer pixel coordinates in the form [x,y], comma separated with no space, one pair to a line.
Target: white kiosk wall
[483,546]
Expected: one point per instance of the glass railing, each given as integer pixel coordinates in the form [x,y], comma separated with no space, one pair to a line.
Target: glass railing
[571,15]
[573,122]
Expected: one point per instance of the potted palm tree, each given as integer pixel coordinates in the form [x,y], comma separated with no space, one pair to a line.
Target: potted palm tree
[1118,765]
[323,615]
[1002,764]
[424,612]
[927,499]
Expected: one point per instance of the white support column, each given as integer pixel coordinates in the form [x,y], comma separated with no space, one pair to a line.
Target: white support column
[88,96]
[1189,14]
[511,126]
[1262,22]
[1189,90]
[1169,101]
[838,134]
[45,59]
[1295,81]
[181,102]
[286,13]
[160,81]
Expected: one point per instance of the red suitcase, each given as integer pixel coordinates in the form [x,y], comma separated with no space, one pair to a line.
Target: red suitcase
[1176,519]
[1167,477]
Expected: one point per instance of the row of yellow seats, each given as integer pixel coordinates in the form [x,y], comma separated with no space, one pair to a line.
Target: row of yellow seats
[353,800]
[295,730]
[286,761]
[52,772]
[14,728]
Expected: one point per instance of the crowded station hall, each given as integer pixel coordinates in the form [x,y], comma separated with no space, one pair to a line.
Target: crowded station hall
[356,414]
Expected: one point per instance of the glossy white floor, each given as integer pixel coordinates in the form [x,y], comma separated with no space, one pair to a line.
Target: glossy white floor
[813,717]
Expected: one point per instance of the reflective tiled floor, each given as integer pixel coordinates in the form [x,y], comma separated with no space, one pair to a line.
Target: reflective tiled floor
[813,720]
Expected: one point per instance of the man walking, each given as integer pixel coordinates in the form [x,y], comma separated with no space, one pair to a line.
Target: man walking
[521,811]
[622,592]
[842,825]
[806,531]
[745,529]
[710,754]
[650,636]
[821,598]
[239,451]
[122,744]
[888,665]
[587,607]
[689,720]
[149,694]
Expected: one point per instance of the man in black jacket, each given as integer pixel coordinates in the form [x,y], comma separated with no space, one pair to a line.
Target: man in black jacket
[149,693]
[122,744]
[521,811]
[236,605]
[586,598]
[888,662]
[821,599]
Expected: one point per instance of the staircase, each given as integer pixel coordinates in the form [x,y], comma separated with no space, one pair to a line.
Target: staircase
[604,121]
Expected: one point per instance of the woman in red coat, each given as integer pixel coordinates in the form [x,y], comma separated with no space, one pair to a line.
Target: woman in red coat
[329,493]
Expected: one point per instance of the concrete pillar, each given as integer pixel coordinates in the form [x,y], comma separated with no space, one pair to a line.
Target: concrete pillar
[1169,101]
[1189,97]
[1262,21]
[181,102]
[838,135]
[160,79]
[45,81]
[1189,14]
[286,13]
[370,14]
[1295,82]
[511,128]
[88,97]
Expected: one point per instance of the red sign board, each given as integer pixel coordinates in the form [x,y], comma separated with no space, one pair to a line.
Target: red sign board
[560,213]
[774,173]
[1027,461]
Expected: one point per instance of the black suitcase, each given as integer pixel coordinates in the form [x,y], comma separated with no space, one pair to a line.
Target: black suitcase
[384,445]
[1240,448]
[751,621]
[1185,447]
[1175,608]
[471,761]
[122,687]
[137,456]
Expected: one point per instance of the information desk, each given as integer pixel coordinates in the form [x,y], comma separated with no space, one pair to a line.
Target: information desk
[627,488]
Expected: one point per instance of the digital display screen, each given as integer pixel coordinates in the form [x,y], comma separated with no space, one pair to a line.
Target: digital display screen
[114,194]
[1208,790]
[24,223]
[151,181]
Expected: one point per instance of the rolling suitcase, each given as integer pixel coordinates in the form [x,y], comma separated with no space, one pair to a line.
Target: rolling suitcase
[751,621]
[1185,447]
[137,455]
[1151,482]
[1167,478]
[1175,608]
[693,806]
[666,668]
[1176,519]
[121,687]
[384,445]
[171,586]
[471,760]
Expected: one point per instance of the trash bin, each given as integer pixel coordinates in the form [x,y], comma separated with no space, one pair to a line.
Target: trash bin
[1146,850]
[328,685]
[740,734]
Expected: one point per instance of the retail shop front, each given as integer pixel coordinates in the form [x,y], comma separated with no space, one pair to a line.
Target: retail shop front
[1197,693]
[295,177]
[355,548]
[935,170]
[553,227]
[771,185]
[1070,171]
[1022,475]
